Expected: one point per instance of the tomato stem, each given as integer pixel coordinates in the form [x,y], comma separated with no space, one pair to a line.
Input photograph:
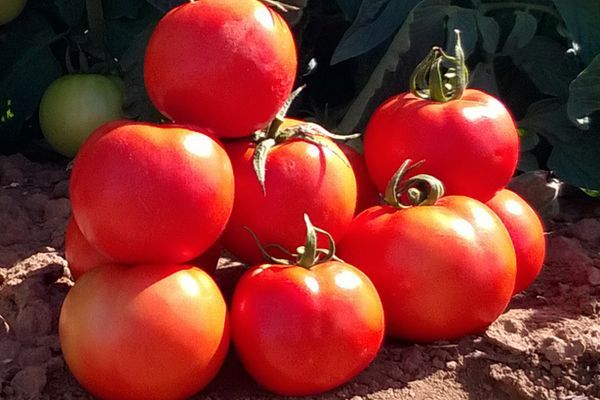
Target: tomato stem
[430,82]
[420,190]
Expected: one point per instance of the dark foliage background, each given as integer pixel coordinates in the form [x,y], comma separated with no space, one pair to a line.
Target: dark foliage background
[541,57]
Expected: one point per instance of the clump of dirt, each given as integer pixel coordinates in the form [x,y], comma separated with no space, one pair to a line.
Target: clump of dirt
[545,346]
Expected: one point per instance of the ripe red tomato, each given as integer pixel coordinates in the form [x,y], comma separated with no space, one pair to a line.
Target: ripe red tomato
[227,65]
[367,195]
[144,332]
[301,178]
[442,271]
[82,256]
[302,331]
[470,144]
[152,193]
[527,234]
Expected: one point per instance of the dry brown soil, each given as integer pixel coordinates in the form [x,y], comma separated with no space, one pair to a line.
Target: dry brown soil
[546,345]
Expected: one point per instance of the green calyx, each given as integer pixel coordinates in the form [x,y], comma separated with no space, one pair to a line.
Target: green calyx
[441,77]
[307,255]
[307,131]
[419,190]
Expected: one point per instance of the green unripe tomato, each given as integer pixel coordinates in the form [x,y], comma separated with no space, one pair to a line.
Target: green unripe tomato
[73,106]
[10,9]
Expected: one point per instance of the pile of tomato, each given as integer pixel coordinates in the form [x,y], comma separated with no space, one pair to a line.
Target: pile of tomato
[342,249]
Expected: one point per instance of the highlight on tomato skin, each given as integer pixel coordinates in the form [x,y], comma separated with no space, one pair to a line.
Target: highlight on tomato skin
[152,332]
[527,234]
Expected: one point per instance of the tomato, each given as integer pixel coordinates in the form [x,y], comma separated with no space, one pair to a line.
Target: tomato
[527,234]
[367,195]
[308,327]
[10,10]
[443,271]
[225,65]
[144,193]
[144,332]
[82,256]
[73,106]
[301,177]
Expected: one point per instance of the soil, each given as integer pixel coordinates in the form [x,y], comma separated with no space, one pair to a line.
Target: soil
[545,346]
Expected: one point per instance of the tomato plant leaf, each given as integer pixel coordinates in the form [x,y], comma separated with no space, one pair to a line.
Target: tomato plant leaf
[165,5]
[522,32]
[350,8]
[548,65]
[483,77]
[528,162]
[463,19]
[581,18]
[114,9]
[376,21]
[120,32]
[584,95]
[71,11]
[490,32]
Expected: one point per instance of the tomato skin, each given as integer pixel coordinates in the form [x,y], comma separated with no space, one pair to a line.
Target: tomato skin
[191,79]
[367,195]
[152,193]
[300,331]
[9,10]
[471,144]
[75,105]
[527,234]
[82,256]
[301,178]
[144,332]
[442,271]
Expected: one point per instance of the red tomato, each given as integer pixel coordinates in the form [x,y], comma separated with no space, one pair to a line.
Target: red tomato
[228,65]
[367,195]
[301,178]
[152,193]
[470,144]
[442,271]
[304,331]
[527,234]
[82,256]
[144,332]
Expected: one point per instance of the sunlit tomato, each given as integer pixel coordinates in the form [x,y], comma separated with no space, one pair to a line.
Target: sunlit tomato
[152,193]
[82,256]
[227,65]
[302,331]
[366,192]
[75,105]
[301,178]
[470,144]
[144,332]
[527,234]
[442,271]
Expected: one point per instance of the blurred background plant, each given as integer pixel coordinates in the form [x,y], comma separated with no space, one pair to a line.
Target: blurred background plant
[540,57]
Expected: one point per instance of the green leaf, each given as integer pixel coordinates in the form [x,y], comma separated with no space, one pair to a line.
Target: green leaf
[584,95]
[121,32]
[574,157]
[582,18]
[419,32]
[522,33]
[165,5]
[114,9]
[528,162]
[376,21]
[549,66]
[463,19]
[490,32]
[27,67]
[71,11]
[350,8]
[483,77]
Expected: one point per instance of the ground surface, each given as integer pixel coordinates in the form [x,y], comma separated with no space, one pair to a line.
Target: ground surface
[546,345]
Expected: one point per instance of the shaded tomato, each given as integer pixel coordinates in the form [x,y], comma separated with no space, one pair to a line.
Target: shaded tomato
[442,271]
[192,79]
[10,10]
[366,193]
[527,234]
[301,178]
[302,331]
[144,332]
[75,105]
[82,256]
[152,193]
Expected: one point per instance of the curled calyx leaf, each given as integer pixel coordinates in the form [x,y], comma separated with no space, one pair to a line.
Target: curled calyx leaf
[274,134]
[279,5]
[441,77]
[307,255]
[418,190]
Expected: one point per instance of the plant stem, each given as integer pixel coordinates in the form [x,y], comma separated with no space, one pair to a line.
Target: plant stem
[488,7]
